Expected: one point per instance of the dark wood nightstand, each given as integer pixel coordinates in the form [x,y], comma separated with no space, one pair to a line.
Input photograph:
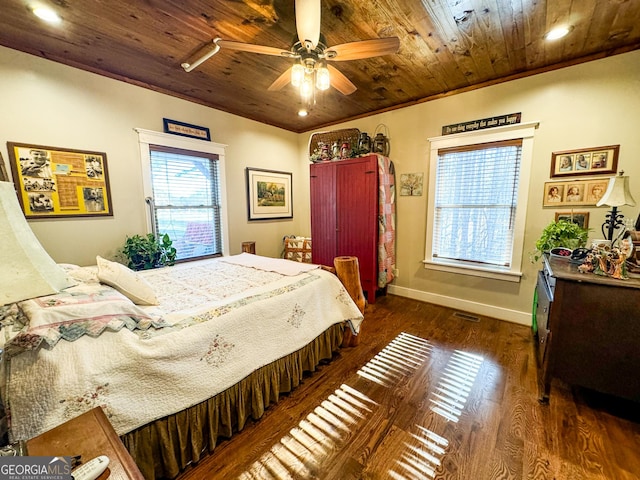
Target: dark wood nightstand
[89,435]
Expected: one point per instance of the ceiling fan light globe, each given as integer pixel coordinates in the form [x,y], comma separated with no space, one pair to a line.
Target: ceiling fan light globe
[323,79]
[297,75]
[306,89]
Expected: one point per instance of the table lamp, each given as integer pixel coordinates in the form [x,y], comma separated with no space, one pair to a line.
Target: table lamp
[616,195]
[26,269]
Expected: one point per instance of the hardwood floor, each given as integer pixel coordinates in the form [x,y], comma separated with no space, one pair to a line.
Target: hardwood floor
[430,395]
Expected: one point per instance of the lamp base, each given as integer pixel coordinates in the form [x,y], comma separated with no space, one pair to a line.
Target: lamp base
[613,222]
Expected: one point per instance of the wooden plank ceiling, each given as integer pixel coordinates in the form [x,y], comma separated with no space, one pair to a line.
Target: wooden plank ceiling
[445,46]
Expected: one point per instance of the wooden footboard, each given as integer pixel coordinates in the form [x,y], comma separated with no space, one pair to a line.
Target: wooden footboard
[348,271]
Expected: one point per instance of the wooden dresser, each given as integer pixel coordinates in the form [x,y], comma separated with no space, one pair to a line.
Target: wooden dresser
[89,435]
[588,330]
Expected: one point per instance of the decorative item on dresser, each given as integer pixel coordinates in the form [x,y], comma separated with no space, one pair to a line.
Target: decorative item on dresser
[353,213]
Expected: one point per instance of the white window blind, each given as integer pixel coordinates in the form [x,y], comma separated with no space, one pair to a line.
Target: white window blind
[186,200]
[476,195]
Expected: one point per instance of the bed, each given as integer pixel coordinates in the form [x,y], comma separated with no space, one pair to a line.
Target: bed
[177,357]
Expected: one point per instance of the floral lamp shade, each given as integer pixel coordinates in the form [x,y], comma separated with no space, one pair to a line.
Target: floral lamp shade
[26,269]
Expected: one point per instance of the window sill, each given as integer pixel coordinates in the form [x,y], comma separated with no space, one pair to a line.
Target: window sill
[508,276]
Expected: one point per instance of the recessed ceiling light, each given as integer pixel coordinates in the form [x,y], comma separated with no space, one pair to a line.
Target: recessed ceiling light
[557,33]
[46,14]
[302,112]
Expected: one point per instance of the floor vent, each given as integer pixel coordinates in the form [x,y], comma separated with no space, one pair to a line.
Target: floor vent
[466,316]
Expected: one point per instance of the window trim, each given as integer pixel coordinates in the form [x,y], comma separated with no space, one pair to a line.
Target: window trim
[524,131]
[149,137]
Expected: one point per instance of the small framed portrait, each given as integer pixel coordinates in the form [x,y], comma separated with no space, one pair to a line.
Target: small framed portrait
[579,218]
[574,193]
[586,161]
[595,190]
[565,163]
[554,193]
[583,162]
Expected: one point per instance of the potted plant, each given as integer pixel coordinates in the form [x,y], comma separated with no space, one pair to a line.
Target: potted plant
[560,234]
[148,251]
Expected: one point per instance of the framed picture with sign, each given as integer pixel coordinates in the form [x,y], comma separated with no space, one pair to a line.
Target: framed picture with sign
[55,182]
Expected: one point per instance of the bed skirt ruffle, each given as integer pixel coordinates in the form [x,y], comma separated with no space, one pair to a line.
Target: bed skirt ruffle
[162,449]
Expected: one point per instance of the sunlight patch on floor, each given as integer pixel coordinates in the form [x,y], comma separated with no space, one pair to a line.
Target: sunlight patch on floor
[401,357]
[420,459]
[450,396]
[299,453]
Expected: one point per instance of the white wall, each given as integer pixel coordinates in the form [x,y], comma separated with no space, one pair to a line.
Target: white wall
[588,105]
[46,103]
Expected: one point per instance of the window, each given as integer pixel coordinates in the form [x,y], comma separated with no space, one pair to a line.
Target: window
[478,200]
[184,191]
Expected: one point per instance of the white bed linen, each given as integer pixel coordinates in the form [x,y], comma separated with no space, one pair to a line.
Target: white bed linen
[227,321]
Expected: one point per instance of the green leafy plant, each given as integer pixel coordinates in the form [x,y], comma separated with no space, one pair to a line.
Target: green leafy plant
[148,251]
[560,234]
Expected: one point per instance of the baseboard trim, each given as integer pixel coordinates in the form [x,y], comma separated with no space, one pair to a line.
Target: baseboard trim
[513,316]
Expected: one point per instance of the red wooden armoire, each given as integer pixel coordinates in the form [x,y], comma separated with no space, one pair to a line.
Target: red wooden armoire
[344,215]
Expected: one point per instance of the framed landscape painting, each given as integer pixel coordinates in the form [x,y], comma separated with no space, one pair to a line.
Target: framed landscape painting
[268,194]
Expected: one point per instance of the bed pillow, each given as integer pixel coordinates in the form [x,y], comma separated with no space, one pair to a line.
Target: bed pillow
[81,274]
[77,311]
[126,281]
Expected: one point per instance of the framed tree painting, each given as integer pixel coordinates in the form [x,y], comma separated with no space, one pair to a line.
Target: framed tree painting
[55,182]
[268,194]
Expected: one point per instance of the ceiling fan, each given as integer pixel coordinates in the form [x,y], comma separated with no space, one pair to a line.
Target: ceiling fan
[309,53]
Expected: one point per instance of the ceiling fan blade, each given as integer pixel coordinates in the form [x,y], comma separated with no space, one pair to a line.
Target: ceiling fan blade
[248,47]
[281,81]
[363,49]
[308,22]
[340,82]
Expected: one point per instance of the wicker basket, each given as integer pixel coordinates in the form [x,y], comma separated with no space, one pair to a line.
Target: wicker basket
[348,135]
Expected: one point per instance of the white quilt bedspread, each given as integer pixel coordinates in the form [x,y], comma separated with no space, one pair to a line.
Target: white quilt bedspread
[227,321]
